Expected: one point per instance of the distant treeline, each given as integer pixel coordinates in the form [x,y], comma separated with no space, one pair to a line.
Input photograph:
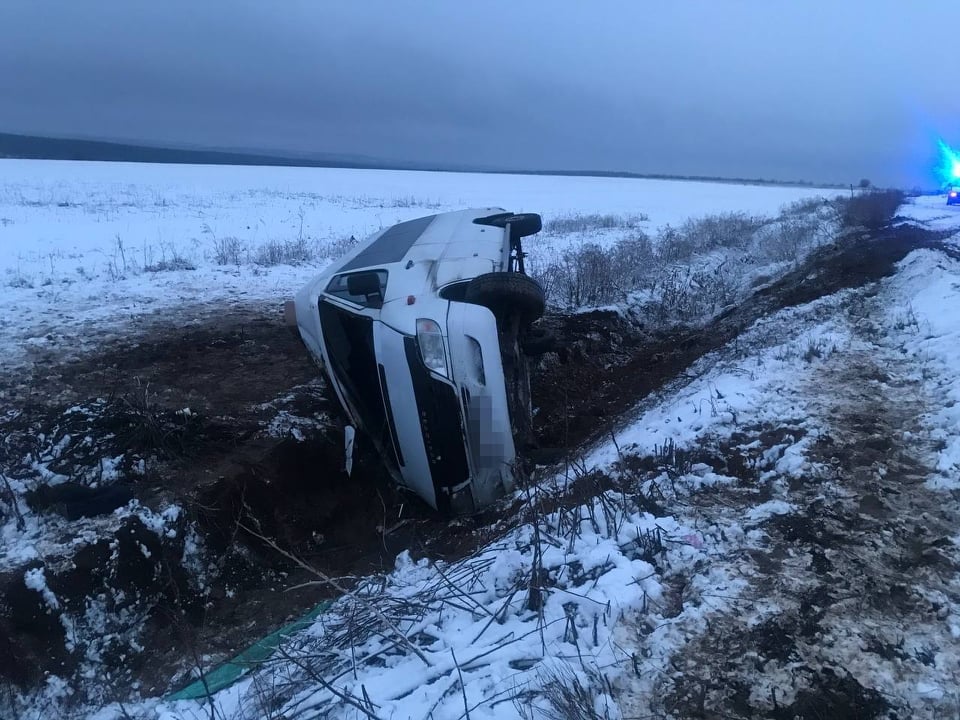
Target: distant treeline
[32,147]
[664,176]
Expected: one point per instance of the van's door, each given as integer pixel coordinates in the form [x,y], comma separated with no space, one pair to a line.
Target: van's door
[350,339]
[478,373]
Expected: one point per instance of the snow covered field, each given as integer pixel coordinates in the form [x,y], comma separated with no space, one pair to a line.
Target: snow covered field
[77,239]
[81,208]
[772,533]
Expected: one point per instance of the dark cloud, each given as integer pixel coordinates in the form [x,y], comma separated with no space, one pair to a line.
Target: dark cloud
[816,90]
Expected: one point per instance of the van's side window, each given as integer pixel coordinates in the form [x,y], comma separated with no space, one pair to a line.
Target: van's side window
[366,288]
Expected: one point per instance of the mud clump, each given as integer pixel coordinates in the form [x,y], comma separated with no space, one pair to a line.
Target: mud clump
[74,501]
[774,639]
[812,528]
[102,442]
[53,617]
[299,496]
[831,695]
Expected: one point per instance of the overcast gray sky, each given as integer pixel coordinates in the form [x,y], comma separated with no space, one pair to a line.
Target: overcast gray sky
[814,90]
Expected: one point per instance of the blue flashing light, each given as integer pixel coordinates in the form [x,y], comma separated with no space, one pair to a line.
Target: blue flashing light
[948,167]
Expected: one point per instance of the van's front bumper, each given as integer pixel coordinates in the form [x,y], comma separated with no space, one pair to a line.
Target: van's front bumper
[466,435]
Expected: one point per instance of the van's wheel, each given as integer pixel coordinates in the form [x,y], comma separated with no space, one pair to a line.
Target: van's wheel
[505,293]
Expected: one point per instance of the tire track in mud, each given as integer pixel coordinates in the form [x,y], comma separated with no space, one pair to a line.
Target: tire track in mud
[860,586]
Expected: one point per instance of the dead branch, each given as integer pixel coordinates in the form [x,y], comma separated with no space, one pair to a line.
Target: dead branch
[463,690]
[316,677]
[21,523]
[344,591]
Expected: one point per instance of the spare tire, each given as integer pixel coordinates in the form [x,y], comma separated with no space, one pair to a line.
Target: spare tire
[508,292]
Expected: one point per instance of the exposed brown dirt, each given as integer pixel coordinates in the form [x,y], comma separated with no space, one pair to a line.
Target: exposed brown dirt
[238,357]
[118,571]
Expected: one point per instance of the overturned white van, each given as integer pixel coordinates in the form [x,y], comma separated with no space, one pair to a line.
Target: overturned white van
[418,330]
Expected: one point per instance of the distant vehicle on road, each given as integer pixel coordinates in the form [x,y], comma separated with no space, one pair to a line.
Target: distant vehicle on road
[419,330]
[953,195]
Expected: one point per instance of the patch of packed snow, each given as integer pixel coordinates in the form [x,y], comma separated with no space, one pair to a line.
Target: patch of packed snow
[35,579]
[932,211]
[926,298]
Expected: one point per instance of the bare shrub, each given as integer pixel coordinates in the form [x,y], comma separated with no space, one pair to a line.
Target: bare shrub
[726,230]
[674,246]
[715,287]
[589,274]
[581,276]
[673,460]
[337,248]
[286,252]
[20,282]
[580,223]
[872,210]
[632,259]
[682,294]
[688,272]
[176,262]
[815,349]
[790,237]
[574,696]
[412,201]
[228,250]
[706,234]
[805,206]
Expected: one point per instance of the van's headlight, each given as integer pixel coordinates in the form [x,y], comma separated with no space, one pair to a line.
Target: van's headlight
[431,346]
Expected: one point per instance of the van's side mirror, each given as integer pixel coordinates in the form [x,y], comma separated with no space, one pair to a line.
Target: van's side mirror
[365,284]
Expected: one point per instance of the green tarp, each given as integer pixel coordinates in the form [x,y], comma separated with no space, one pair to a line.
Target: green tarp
[229,672]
